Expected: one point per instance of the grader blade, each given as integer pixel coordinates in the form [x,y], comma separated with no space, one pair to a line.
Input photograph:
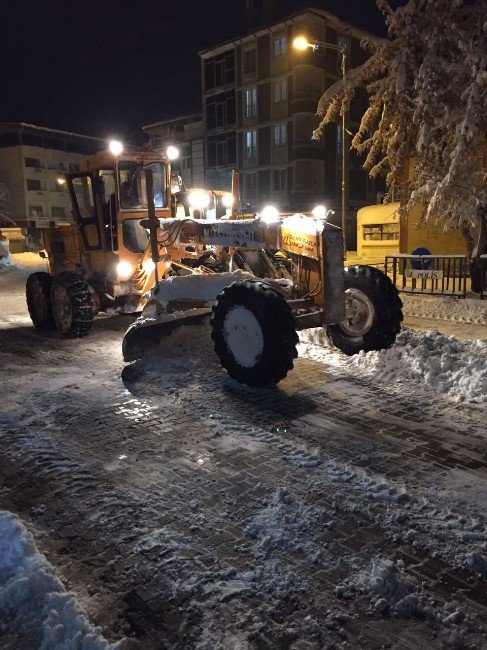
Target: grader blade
[146,333]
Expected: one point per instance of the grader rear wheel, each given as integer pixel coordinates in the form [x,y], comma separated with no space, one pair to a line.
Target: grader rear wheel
[374,312]
[38,295]
[254,333]
[72,305]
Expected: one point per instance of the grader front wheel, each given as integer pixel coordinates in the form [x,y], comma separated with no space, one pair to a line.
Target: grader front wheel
[72,305]
[254,333]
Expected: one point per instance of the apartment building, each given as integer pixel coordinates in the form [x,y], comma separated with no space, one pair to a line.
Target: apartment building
[259,104]
[185,133]
[32,160]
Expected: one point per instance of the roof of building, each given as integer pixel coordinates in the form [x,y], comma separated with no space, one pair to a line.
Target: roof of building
[21,126]
[195,117]
[340,24]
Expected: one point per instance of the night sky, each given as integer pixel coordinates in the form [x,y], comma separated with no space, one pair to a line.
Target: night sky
[107,68]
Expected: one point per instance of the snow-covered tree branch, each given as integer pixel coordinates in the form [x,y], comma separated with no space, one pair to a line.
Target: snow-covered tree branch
[427,88]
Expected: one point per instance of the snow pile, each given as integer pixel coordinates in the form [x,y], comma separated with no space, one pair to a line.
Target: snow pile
[35,608]
[195,286]
[446,365]
[389,589]
[458,310]
[288,525]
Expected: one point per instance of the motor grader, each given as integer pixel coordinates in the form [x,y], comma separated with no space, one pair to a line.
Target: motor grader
[254,320]
[102,259]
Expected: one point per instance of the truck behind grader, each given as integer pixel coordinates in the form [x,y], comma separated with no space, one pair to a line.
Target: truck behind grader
[261,279]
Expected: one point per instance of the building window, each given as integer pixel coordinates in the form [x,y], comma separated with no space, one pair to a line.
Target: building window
[220,110]
[249,61]
[222,149]
[220,70]
[279,179]
[58,213]
[250,101]
[280,90]
[280,46]
[33,184]
[33,162]
[250,183]
[280,135]
[35,212]
[251,145]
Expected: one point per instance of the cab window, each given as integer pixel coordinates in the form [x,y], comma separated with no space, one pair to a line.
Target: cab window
[133,192]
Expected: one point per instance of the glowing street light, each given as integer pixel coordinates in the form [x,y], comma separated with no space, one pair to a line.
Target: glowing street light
[301,43]
[270,214]
[115,147]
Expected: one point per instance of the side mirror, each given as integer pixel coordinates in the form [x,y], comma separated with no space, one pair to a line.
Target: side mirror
[43,255]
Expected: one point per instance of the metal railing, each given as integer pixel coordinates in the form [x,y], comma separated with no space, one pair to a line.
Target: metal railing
[442,275]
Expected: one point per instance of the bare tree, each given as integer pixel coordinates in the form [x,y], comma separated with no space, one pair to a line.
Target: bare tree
[427,86]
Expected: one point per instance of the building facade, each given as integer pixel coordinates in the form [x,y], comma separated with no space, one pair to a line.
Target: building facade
[185,133]
[32,160]
[259,104]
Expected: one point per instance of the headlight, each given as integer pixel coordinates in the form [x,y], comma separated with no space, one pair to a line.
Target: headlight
[172,152]
[227,200]
[115,147]
[124,270]
[320,212]
[199,200]
[270,214]
[148,266]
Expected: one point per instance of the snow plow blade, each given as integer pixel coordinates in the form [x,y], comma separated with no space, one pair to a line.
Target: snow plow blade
[146,333]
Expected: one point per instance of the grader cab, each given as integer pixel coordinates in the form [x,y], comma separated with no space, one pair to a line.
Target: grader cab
[101,260]
[254,319]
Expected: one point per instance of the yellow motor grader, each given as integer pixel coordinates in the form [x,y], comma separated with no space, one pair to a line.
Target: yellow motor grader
[102,260]
[254,319]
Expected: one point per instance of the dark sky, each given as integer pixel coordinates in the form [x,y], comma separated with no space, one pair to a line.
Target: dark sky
[107,67]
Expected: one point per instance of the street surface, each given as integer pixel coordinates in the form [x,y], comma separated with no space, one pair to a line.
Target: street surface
[187,511]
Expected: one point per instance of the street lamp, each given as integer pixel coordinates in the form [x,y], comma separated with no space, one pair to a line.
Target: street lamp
[301,43]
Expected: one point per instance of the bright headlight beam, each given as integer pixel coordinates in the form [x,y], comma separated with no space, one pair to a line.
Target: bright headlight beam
[199,200]
[227,200]
[172,152]
[124,270]
[270,214]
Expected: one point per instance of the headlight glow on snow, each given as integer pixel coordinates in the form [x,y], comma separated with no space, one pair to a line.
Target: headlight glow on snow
[198,200]
[270,214]
[124,270]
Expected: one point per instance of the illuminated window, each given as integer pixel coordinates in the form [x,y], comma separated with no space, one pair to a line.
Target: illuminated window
[280,135]
[251,145]
[280,46]
[250,102]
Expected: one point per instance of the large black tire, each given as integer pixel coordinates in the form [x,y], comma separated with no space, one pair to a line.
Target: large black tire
[379,312]
[254,333]
[72,305]
[38,295]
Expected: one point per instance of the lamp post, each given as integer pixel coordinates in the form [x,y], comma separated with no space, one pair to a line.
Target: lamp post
[302,43]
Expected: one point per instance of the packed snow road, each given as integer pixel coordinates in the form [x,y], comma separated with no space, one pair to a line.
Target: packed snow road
[345,509]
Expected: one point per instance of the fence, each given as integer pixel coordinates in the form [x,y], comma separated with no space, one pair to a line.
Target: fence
[443,275]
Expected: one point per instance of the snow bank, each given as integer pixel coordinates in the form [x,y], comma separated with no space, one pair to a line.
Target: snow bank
[458,310]
[35,608]
[428,360]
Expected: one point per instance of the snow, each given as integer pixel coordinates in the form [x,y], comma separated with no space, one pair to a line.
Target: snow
[195,286]
[429,360]
[458,310]
[35,608]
